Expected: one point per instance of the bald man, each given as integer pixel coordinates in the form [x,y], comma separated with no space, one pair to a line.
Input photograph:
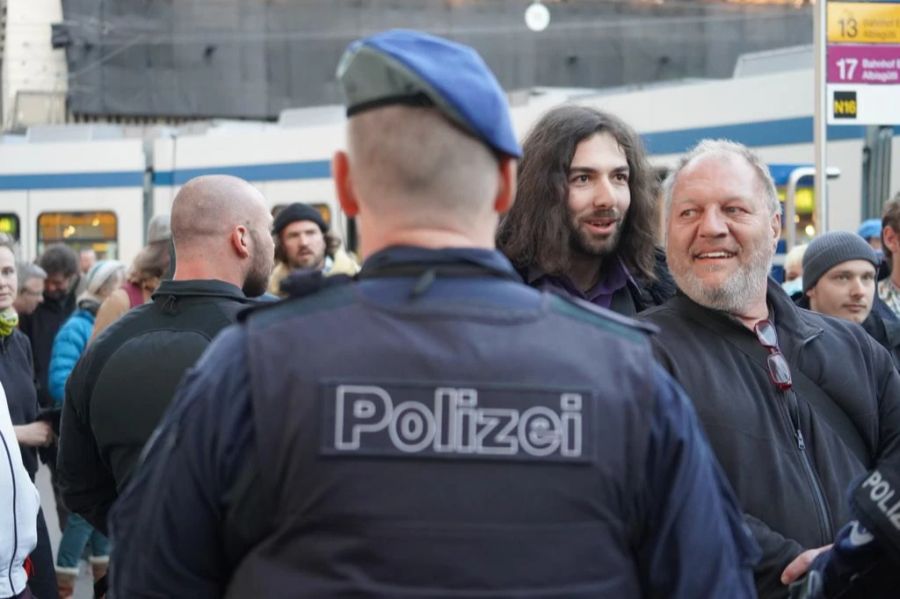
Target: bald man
[125,381]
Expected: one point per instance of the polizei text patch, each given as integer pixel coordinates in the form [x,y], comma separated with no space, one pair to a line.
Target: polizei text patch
[454,421]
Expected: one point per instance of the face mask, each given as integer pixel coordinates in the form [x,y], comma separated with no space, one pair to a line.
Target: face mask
[793,287]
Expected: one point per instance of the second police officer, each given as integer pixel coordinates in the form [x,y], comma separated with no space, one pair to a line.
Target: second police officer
[863,561]
[437,429]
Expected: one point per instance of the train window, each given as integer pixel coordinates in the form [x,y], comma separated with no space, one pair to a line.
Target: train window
[80,231]
[324,210]
[9,224]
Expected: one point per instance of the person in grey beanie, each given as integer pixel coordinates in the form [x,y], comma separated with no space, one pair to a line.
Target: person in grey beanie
[839,273]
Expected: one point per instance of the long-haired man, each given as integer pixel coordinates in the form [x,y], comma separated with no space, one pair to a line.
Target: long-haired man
[585,219]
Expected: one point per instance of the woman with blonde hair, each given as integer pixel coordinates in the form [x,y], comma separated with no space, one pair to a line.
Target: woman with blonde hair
[144,276]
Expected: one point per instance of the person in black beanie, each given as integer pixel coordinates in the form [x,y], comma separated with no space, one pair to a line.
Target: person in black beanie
[839,273]
[303,241]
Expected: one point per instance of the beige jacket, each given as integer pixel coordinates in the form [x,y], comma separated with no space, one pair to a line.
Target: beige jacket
[341,263]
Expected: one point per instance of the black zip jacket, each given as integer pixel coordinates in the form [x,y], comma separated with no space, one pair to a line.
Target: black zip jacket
[881,324]
[17,378]
[885,331]
[788,464]
[124,382]
[41,327]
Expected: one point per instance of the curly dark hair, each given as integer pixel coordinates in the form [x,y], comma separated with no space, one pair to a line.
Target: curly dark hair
[536,230]
[59,259]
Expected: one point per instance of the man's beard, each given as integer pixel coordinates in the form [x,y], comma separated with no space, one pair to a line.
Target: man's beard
[584,244]
[308,261]
[257,280]
[734,293]
[255,284]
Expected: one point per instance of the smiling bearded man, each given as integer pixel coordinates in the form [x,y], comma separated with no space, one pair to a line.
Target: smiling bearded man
[789,428]
[722,271]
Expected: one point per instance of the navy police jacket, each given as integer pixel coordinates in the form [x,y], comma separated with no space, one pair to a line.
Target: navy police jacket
[864,562]
[437,429]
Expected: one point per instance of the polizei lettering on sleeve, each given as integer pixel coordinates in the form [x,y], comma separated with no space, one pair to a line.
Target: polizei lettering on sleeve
[454,421]
[878,496]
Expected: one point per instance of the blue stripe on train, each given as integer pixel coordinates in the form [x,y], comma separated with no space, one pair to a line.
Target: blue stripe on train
[281,171]
[765,133]
[778,132]
[71,180]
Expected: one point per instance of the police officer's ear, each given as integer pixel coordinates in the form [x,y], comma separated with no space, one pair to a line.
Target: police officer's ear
[240,240]
[340,171]
[506,190]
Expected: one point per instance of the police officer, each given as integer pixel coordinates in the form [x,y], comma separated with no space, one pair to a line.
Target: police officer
[437,429]
[864,562]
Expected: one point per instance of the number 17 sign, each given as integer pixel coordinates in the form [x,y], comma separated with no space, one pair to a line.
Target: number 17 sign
[863,55]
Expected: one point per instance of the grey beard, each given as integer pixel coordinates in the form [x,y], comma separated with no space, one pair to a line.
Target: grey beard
[735,293]
[730,297]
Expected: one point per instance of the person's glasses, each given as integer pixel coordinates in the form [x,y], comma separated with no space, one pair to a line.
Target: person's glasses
[779,371]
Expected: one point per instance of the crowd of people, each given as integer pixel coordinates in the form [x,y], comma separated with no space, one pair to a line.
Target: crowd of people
[550,377]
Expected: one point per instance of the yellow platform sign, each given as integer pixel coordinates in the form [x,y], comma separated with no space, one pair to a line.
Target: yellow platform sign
[864,22]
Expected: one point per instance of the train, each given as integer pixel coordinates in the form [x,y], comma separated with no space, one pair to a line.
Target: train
[100,193]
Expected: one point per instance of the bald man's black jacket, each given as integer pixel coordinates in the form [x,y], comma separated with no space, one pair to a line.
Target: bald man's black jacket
[124,382]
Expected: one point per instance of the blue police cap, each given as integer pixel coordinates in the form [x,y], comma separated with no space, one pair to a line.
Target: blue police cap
[408,67]
[870,228]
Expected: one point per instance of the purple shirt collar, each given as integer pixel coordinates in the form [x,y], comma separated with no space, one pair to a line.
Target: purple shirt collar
[612,279]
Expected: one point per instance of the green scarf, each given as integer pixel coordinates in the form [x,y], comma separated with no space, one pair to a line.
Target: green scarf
[8,322]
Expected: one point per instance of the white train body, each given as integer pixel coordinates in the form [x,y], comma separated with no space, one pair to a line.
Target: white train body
[40,183]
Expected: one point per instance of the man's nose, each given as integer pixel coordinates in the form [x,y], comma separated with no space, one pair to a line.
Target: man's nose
[603,194]
[712,224]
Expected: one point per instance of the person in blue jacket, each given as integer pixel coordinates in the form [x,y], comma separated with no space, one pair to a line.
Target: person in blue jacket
[438,428]
[100,281]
